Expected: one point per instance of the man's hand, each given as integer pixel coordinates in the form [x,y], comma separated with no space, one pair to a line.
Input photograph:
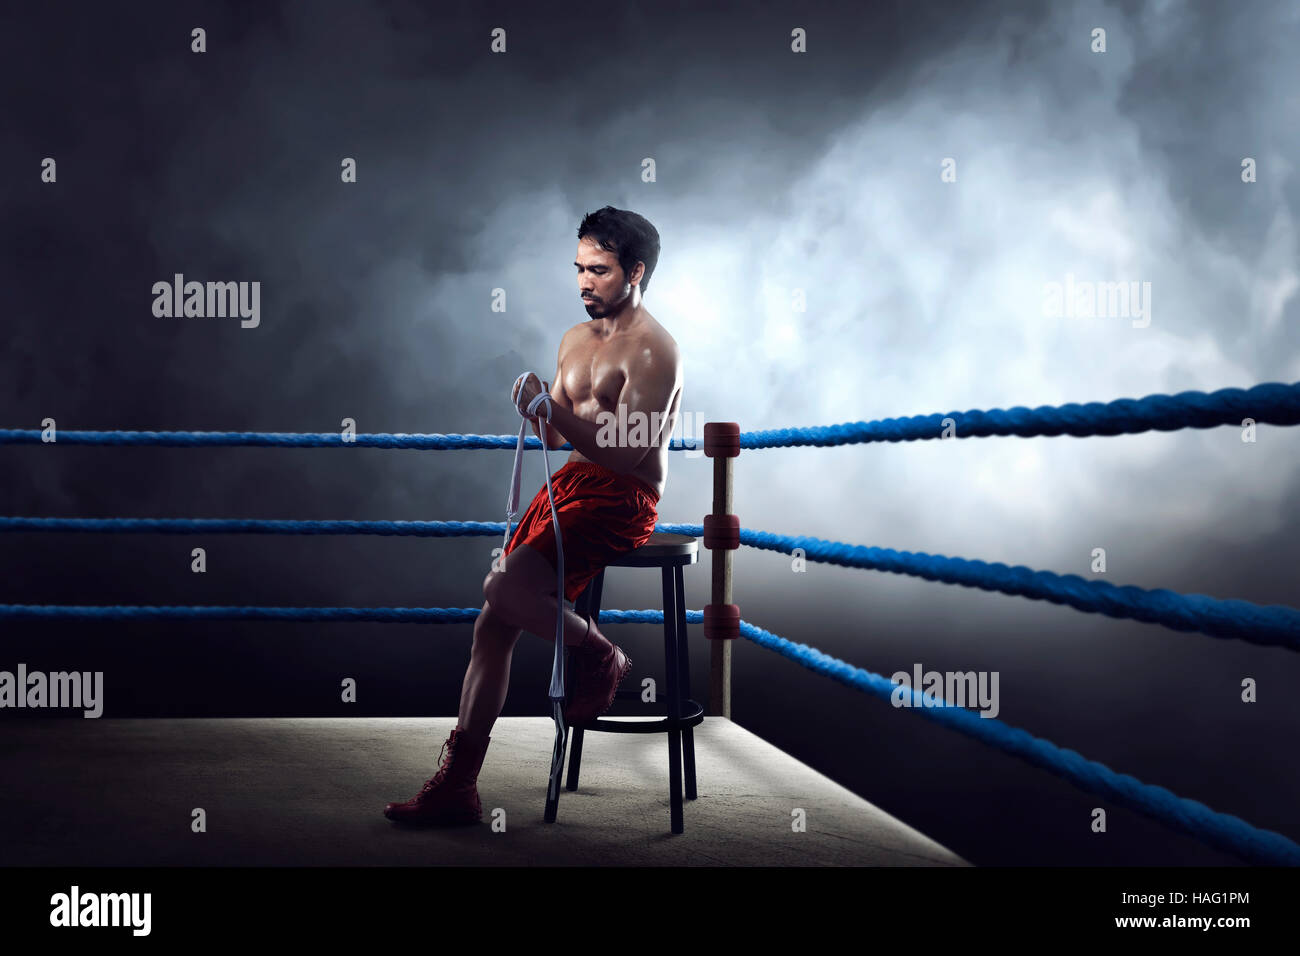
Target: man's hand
[524,392]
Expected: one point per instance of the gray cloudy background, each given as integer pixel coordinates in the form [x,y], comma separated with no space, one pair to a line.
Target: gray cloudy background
[776,172]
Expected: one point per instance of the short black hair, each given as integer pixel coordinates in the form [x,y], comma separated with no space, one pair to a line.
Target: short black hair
[627,235]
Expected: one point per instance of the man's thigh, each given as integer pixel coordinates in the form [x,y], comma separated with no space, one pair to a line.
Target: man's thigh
[525,573]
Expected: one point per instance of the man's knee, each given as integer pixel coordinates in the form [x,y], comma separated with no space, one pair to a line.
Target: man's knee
[491,627]
[498,588]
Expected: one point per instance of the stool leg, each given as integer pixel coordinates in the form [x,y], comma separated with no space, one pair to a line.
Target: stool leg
[684,656]
[575,760]
[674,709]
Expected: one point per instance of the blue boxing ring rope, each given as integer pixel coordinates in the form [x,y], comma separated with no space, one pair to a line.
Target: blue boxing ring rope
[1268,625]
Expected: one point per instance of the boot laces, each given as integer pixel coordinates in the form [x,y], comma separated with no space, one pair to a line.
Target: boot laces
[438,777]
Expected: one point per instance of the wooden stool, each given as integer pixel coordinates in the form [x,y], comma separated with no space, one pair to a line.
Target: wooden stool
[670,553]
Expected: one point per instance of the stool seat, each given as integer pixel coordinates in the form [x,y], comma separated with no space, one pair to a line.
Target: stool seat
[678,713]
[662,545]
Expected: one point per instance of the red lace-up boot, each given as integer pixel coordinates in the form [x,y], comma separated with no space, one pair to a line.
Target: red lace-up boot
[599,666]
[450,797]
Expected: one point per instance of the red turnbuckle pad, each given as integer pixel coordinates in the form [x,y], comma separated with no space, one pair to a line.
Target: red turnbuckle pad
[722,622]
[722,532]
[721,439]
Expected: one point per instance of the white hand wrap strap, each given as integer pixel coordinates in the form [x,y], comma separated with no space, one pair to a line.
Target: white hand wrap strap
[512,509]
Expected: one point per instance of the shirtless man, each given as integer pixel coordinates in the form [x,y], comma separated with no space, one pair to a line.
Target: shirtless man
[607,496]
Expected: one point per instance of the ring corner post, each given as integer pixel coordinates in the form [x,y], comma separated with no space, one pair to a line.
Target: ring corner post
[721,538]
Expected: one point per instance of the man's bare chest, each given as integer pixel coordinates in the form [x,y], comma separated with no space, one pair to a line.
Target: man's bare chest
[594,373]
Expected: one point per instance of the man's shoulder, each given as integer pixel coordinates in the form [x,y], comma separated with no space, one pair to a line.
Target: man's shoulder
[661,344]
[571,338]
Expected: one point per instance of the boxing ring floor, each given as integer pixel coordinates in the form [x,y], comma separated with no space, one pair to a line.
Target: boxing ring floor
[311,791]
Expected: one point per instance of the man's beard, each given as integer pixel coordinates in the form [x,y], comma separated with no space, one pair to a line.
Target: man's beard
[600,309]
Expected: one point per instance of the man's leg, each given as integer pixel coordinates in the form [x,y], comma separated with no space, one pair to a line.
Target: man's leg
[451,796]
[524,594]
[487,678]
[521,595]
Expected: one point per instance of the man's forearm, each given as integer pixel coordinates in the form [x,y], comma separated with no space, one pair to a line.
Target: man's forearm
[553,437]
[582,436]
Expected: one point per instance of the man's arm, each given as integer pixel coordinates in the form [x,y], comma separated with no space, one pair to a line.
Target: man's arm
[559,399]
[647,396]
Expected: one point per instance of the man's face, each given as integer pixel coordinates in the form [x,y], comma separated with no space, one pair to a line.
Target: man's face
[601,281]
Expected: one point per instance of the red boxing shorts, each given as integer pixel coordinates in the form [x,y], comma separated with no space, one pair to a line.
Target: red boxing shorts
[603,515]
